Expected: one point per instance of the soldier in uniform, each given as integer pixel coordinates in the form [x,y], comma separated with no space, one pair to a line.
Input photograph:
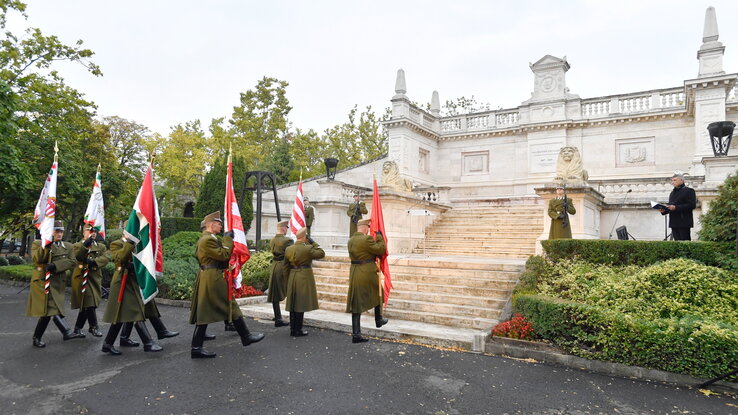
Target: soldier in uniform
[125,304]
[277,277]
[210,295]
[309,215]
[91,256]
[356,210]
[151,313]
[364,293]
[302,295]
[56,258]
[559,209]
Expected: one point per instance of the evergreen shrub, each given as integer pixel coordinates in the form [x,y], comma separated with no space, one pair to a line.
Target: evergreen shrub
[15,260]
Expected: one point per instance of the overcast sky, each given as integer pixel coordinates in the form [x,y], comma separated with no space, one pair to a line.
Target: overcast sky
[169,62]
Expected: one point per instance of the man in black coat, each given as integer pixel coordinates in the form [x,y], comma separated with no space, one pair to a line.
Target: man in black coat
[682,201]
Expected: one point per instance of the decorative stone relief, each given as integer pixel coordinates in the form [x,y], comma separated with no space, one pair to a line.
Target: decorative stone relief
[476,162]
[391,178]
[569,167]
[634,152]
[423,161]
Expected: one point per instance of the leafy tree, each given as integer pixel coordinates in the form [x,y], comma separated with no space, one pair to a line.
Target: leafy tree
[212,191]
[356,141]
[464,105]
[719,223]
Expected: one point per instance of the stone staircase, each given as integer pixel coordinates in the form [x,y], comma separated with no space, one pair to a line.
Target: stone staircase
[494,230]
[458,292]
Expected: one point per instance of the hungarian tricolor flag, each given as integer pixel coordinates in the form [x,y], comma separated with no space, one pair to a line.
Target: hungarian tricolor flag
[297,220]
[144,229]
[377,224]
[95,213]
[233,222]
[45,212]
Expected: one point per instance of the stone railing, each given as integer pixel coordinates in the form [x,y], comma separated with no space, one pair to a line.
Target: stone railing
[432,194]
[480,121]
[732,96]
[635,103]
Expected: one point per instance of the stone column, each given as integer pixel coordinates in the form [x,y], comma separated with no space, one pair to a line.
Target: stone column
[585,224]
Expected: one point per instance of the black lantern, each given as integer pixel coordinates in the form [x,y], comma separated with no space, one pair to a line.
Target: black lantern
[721,133]
[330,167]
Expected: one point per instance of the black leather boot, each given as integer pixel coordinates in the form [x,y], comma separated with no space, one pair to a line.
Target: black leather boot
[198,338]
[278,322]
[43,322]
[209,336]
[246,336]
[109,342]
[63,327]
[299,332]
[378,320]
[125,336]
[80,323]
[161,329]
[92,319]
[229,326]
[356,329]
[150,345]
[293,324]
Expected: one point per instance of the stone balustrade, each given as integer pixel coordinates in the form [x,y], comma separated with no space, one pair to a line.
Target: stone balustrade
[432,194]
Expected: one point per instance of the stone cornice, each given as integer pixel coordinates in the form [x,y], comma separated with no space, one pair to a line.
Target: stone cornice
[404,122]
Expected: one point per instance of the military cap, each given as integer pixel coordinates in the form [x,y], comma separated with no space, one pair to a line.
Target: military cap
[301,233]
[306,198]
[58,225]
[560,186]
[211,218]
[283,224]
[366,222]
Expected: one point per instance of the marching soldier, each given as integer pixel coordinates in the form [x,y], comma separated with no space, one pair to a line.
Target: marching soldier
[125,304]
[277,277]
[309,215]
[302,295]
[356,210]
[363,292]
[559,209]
[210,295]
[87,279]
[151,312]
[56,258]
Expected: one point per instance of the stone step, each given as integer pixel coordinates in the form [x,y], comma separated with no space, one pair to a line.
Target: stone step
[398,293]
[425,317]
[475,286]
[397,304]
[482,254]
[408,273]
[442,261]
[478,243]
[397,329]
[493,216]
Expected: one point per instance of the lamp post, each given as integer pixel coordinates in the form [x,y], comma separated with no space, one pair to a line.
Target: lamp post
[330,167]
[721,132]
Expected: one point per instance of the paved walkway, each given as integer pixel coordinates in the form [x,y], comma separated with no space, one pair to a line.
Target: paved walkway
[323,373]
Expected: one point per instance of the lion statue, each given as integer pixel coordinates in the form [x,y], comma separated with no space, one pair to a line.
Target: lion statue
[391,178]
[569,167]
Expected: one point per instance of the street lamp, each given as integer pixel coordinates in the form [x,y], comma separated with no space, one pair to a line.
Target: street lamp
[721,132]
[330,167]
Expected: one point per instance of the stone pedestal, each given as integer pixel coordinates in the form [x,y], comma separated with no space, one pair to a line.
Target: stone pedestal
[585,224]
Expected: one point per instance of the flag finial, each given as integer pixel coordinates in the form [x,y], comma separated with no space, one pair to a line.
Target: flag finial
[300,173]
[56,151]
[230,151]
[98,167]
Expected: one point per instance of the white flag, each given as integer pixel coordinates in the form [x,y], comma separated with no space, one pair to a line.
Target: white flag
[95,213]
[45,212]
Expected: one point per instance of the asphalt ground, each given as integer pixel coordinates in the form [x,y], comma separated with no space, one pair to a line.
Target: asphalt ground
[323,373]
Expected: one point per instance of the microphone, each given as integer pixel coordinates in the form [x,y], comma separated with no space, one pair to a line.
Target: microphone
[618,216]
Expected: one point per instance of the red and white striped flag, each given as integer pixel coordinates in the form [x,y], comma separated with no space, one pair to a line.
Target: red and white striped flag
[95,213]
[232,222]
[297,220]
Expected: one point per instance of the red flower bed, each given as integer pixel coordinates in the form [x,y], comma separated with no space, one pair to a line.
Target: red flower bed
[516,328]
[246,291]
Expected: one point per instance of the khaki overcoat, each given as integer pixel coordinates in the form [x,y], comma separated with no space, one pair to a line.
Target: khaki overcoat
[210,295]
[351,211]
[92,295]
[277,277]
[60,254]
[555,212]
[301,292]
[131,307]
[363,292]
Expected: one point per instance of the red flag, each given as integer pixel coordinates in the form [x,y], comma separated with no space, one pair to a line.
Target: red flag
[297,220]
[377,224]
[233,222]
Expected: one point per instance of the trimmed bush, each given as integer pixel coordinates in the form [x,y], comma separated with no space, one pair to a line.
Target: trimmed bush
[171,226]
[180,266]
[15,260]
[17,272]
[642,253]
[689,345]
[4,261]
[718,224]
[256,270]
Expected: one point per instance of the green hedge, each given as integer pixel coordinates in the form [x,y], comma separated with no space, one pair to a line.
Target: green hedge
[180,265]
[171,226]
[17,272]
[642,253]
[688,345]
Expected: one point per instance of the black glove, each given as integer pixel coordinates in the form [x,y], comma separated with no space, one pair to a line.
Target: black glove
[229,234]
[91,262]
[87,242]
[131,268]
[310,240]
[50,267]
